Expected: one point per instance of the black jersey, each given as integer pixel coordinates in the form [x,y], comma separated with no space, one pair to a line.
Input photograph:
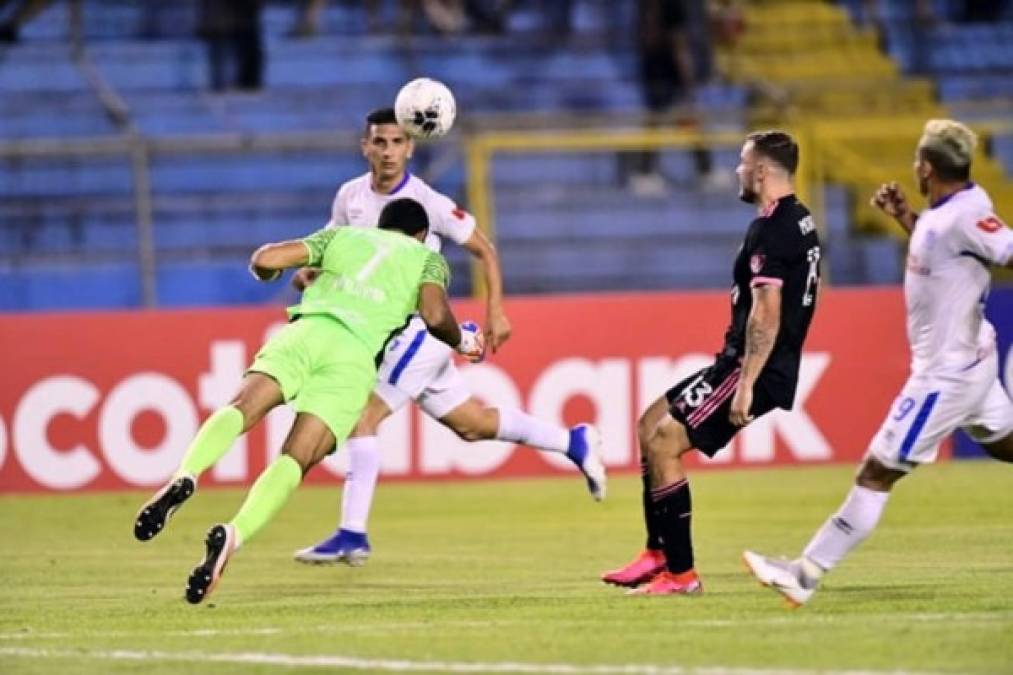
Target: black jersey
[781,248]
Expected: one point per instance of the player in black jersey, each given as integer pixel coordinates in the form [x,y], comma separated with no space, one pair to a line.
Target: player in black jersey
[776,276]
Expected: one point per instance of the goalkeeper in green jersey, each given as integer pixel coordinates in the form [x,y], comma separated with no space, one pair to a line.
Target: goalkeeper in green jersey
[322,363]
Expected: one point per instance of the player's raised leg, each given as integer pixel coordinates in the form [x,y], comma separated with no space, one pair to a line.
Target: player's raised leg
[651,559]
[473,421]
[309,441]
[257,395]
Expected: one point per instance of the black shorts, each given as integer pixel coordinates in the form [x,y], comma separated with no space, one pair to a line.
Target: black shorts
[702,401]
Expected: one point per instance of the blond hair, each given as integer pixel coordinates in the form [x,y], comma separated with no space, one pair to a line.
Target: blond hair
[947,143]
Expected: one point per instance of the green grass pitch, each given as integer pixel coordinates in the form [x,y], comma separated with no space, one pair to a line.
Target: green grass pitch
[503,577]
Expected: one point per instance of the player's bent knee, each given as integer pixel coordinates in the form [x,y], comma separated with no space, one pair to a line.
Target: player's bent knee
[309,441]
[658,445]
[257,395]
[469,434]
[471,430]
[873,475]
[375,413]
[303,457]
[365,428]
[472,421]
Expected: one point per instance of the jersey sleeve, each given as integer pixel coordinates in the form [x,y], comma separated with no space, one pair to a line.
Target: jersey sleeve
[317,243]
[776,251]
[339,208]
[435,270]
[987,239]
[447,219]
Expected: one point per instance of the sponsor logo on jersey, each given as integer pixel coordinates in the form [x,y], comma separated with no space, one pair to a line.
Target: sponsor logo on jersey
[459,213]
[756,263]
[990,224]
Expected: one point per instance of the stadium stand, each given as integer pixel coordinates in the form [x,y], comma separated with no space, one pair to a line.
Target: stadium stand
[824,70]
[563,222]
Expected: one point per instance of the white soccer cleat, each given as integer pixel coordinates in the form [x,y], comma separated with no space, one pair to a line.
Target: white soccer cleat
[784,576]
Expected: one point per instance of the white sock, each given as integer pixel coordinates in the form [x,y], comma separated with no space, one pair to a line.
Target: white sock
[846,529]
[360,482]
[519,427]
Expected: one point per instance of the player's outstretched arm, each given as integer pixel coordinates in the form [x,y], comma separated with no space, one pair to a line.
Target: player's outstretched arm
[268,261]
[890,199]
[497,325]
[437,315]
[761,333]
[439,319]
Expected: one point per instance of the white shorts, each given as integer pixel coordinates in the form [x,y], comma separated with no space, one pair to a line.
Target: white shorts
[931,407]
[417,366]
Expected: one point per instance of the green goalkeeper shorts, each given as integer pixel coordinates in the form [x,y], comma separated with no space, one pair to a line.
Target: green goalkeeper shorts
[322,369]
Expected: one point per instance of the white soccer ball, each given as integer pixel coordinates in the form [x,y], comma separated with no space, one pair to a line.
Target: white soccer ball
[425,108]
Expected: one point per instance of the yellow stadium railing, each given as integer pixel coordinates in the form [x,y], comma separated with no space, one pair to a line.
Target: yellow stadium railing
[481,148]
[859,154]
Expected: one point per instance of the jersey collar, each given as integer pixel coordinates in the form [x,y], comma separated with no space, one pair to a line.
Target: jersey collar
[404,181]
[397,188]
[942,200]
[768,211]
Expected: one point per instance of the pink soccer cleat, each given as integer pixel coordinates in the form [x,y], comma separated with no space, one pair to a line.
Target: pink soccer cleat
[644,567]
[669,583]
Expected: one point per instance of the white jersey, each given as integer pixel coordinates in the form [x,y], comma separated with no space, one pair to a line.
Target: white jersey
[357,204]
[416,366]
[947,279]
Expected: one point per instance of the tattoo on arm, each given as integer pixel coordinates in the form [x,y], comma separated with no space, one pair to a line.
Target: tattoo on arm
[761,331]
[759,338]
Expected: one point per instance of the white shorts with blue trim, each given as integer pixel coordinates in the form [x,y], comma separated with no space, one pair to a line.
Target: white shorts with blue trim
[931,407]
[417,366]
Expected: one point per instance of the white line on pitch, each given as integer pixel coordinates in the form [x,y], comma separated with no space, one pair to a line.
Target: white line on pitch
[366,626]
[406,666]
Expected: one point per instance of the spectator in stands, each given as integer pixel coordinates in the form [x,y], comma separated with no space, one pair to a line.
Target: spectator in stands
[982,11]
[25,11]
[453,16]
[727,21]
[232,31]
[308,18]
[920,18]
[558,17]
[669,71]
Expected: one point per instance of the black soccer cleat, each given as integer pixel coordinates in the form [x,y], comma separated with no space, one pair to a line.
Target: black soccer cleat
[156,511]
[220,544]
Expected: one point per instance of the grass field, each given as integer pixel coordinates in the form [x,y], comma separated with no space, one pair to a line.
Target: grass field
[502,577]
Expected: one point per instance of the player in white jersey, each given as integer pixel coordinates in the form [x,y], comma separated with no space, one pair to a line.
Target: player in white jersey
[417,366]
[954,382]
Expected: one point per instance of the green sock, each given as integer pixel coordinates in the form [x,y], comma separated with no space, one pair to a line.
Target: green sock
[212,441]
[267,496]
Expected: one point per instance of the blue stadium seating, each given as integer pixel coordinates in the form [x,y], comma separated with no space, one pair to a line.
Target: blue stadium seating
[62,286]
[565,221]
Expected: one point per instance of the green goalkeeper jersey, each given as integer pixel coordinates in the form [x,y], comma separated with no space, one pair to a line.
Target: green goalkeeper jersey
[369,280]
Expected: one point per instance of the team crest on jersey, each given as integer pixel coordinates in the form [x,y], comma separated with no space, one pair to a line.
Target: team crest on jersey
[756,263]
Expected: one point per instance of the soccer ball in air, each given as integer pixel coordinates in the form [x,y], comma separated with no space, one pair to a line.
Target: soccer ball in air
[425,108]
